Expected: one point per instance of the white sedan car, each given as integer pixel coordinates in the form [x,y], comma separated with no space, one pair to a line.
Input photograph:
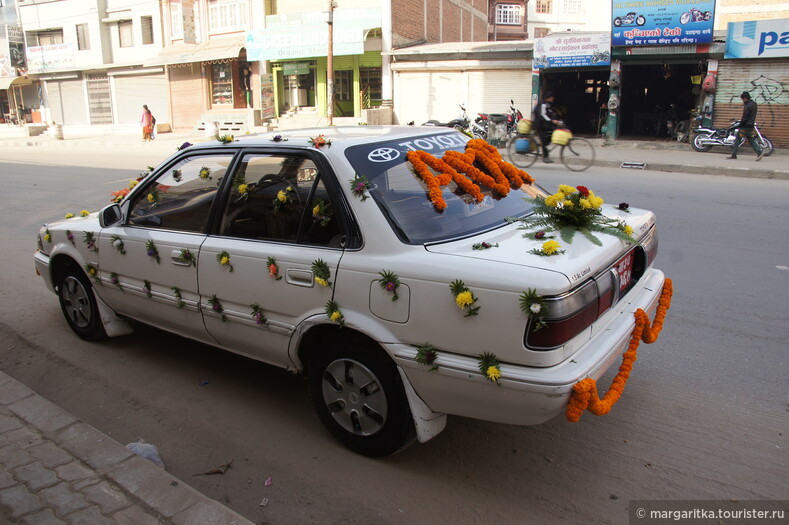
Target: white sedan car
[408,282]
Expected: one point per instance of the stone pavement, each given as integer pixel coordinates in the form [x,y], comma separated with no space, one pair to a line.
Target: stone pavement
[656,155]
[55,469]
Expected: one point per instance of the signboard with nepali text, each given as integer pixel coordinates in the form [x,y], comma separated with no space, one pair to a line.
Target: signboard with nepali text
[661,22]
[572,50]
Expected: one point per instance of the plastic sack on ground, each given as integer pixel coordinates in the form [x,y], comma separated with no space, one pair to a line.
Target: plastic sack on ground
[147,451]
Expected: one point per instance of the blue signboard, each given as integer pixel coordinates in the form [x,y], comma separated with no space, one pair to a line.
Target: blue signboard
[661,22]
[758,39]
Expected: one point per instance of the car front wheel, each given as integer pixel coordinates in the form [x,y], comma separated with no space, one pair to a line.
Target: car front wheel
[79,304]
[359,396]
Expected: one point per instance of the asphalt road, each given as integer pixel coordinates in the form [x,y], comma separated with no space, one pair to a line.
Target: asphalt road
[704,416]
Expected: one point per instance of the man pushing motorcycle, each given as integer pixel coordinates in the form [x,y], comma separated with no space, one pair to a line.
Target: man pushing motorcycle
[746,130]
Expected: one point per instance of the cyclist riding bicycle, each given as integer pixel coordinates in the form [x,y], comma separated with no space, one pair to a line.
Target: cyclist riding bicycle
[545,121]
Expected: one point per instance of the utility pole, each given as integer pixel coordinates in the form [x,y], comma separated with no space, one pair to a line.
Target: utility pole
[330,66]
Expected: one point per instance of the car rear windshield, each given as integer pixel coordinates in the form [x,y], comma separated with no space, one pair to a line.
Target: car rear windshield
[403,196]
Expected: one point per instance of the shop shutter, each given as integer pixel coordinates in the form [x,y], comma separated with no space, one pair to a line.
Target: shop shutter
[764,79]
[491,90]
[132,91]
[186,94]
[66,99]
[425,95]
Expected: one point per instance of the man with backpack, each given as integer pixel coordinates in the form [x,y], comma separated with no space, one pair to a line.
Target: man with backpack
[545,121]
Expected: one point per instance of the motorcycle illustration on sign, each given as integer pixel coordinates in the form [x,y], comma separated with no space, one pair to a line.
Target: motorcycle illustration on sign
[695,15]
[630,19]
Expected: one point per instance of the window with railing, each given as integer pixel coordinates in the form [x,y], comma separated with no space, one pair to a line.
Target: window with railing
[227,15]
[146,24]
[508,14]
[544,6]
[176,20]
[573,7]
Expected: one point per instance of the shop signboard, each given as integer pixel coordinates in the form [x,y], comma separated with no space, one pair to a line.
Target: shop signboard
[758,39]
[661,22]
[304,35]
[50,57]
[295,68]
[267,96]
[572,50]
[16,46]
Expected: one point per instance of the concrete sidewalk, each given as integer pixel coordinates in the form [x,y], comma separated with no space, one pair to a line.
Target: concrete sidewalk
[655,155]
[55,469]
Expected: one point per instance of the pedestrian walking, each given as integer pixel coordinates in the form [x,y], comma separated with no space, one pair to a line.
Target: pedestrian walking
[545,121]
[747,122]
[146,122]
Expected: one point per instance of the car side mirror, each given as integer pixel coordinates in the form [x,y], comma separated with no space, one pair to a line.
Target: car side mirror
[110,215]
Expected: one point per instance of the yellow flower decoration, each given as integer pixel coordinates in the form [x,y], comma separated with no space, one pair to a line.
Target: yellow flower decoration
[568,204]
[335,316]
[224,260]
[585,204]
[628,229]
[84,213]
[92,270]
[464,299]
[282,196]
[151,198]
[316,210]
[69,215]
[321,281]
[550,247]
[493,373]
[566,190]
[47,237]
[551,201]
[133,183]
[243,188]
[595,201]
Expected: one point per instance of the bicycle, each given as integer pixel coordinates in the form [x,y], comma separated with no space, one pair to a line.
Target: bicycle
[577,154]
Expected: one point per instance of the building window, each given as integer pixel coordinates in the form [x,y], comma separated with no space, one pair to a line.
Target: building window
[540,32]
[544,6]
[176,20]
[146,22]
[573,7]
[227,15]
[125,33]
[343,84]
[49,38]
[508,14]
[222,84]
[83,41]
[370,80]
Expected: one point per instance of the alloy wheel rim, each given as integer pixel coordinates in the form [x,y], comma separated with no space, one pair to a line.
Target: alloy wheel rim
[354,397]
[76,302]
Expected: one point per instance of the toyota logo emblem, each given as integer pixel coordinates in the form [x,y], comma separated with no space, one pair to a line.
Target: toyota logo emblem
[383,155]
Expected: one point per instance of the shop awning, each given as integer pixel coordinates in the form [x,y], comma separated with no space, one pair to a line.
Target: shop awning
[187,53]
[7,82]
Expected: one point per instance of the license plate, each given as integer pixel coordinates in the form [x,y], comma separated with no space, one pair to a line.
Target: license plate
[624,269]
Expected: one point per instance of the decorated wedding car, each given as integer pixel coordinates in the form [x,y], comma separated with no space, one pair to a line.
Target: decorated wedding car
[409,273]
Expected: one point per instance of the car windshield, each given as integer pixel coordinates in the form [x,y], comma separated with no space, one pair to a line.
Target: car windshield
[403,196]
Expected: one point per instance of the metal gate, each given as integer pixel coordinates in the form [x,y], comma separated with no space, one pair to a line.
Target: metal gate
[99,99]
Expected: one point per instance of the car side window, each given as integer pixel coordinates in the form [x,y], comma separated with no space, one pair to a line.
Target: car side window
[275,197]
[181,198]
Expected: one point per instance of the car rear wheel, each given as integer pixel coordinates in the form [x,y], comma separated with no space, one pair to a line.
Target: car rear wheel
[359,396]
[79,304]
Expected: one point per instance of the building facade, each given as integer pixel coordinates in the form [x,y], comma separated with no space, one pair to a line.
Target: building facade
[508,20]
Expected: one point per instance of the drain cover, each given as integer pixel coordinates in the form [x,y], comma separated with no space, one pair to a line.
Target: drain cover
[634,165]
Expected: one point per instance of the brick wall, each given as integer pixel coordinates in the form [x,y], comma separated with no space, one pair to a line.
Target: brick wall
[434,21]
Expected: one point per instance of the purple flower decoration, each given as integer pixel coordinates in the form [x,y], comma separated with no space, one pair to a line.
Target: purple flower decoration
[390,286]
[258,317]
[184,145]
[151,252]
[624,206]
[278,138]
[539,235]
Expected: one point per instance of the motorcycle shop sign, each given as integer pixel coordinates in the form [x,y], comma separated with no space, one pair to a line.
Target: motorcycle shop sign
[758,39]
[661,22]
[574,50]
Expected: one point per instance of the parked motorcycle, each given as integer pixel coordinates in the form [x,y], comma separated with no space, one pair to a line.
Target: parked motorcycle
[706,138]
[695,15]
[479,128]
[461,123]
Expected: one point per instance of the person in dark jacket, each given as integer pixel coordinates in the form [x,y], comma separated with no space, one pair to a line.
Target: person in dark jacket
[747,122]
[545,121]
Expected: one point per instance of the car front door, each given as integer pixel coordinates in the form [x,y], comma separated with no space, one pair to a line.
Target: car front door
[152,256]
[263,271]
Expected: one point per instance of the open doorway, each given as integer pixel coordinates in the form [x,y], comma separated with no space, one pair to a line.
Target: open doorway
[580,96]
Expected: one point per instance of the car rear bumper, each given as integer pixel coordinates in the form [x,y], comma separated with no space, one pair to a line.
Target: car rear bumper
[526,395]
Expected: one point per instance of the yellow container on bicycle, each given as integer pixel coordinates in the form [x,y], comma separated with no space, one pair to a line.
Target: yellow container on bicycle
[561,136]
[524,126]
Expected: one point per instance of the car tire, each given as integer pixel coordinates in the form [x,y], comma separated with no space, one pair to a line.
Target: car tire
[79,304]
[359,396]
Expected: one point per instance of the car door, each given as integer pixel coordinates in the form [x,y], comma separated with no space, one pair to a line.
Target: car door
[279,212]
[152,255]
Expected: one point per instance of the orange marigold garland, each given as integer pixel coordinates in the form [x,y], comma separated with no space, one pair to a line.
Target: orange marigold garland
[585,396]
[516,176]
[464,162]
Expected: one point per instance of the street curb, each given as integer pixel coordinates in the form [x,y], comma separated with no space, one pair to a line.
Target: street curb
[703,170]
[153,488]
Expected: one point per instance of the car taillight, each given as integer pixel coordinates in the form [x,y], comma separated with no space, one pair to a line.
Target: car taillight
[571,313]
[650,244]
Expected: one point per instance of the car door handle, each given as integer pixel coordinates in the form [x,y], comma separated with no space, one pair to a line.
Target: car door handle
[175,258]
[299,277]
